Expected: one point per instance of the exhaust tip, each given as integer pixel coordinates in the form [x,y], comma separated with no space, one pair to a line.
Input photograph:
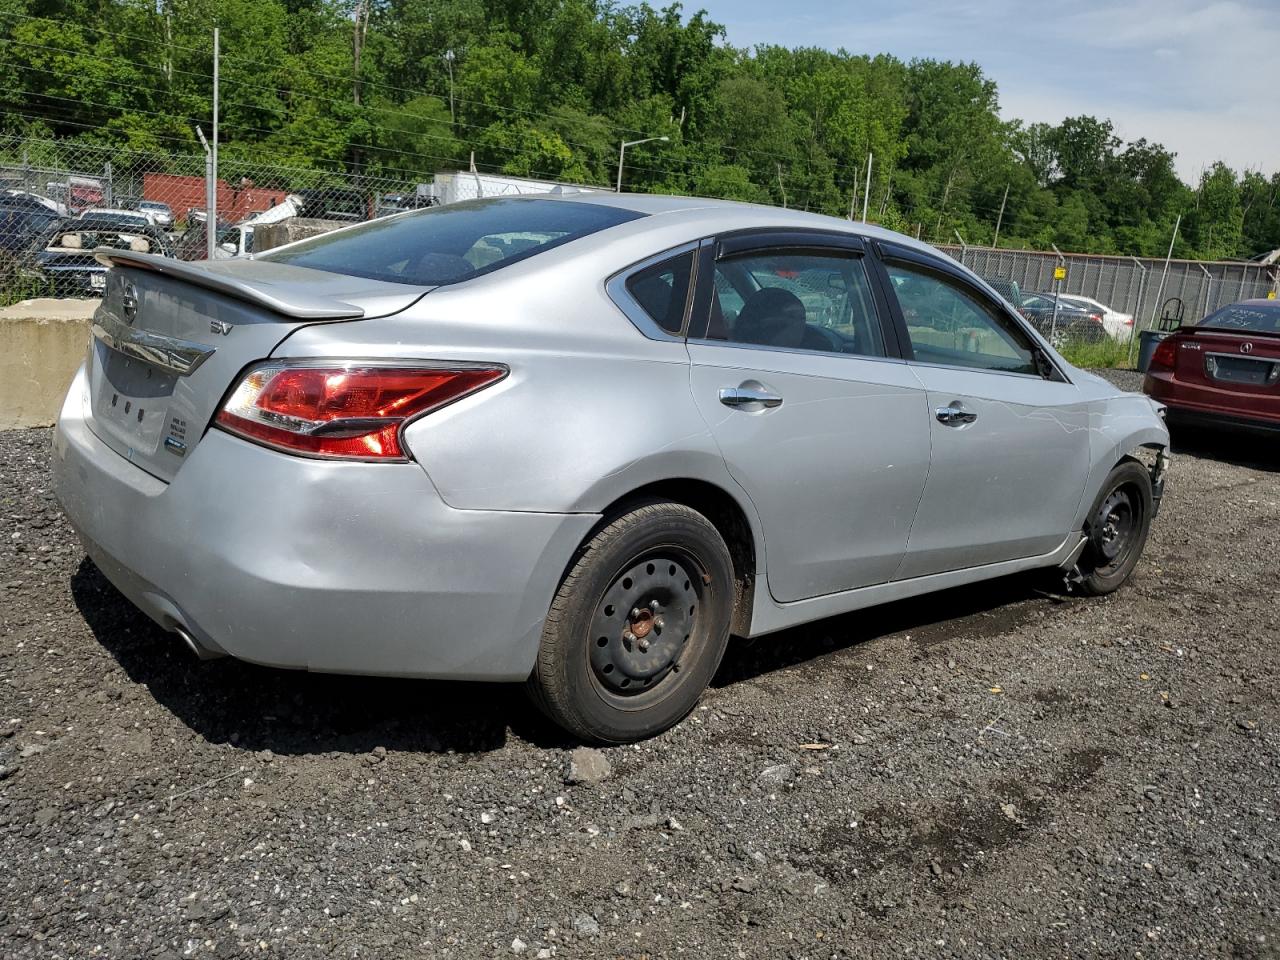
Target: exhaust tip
[192,644]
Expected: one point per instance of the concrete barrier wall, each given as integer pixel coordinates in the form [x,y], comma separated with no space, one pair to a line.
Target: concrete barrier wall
[42,342]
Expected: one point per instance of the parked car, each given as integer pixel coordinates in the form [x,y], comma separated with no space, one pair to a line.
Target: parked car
[1119,325]
[1223,372]
[650,423]
[334,203]
[1073,323]
[35,201]
[118,216]
[19,225]
[161,214]
[1008,289]
[63,255]
[392,203]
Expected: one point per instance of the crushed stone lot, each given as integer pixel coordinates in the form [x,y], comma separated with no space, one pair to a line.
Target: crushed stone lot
[999,771]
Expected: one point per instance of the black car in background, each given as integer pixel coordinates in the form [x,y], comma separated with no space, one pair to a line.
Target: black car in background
[62,254]
[20,223]
[334,203]
[1075,323]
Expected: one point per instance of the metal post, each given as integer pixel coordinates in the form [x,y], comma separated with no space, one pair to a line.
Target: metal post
[1137,306]
[1160,289]
[867,195]
[211,211]
[1057,292]
[964,247]
[1208,288]
[109,191]
[1000,218]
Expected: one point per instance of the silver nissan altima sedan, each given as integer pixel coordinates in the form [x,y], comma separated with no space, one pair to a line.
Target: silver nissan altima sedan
[577,441]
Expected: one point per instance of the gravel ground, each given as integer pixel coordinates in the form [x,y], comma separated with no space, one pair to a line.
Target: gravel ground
[994,772]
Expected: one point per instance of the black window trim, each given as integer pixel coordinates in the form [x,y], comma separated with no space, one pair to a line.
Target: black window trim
[888,253]
[790,241]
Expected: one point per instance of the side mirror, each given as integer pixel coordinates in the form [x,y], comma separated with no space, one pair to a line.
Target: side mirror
[228,246]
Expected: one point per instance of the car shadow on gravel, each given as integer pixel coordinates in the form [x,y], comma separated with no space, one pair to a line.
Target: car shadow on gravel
[1238,449]
[988,607]
[294,712]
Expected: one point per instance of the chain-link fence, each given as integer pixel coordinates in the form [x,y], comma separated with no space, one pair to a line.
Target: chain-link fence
[59,199]
[1133,285]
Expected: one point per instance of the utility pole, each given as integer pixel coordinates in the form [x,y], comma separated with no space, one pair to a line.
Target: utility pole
[853,202]
[1000,219]
[782,186]
[208,193]
[866,196]
[211,212]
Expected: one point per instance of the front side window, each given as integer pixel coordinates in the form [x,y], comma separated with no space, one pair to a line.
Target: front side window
[796,301]
[949,325]
[454,242]
[662,290]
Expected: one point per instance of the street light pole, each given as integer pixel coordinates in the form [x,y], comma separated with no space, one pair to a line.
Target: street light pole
[622,152]
[448,59]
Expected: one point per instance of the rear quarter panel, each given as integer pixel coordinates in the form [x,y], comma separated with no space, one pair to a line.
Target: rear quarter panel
[590,411]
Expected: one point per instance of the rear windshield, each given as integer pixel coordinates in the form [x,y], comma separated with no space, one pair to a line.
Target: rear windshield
[454,242]
[1265,318]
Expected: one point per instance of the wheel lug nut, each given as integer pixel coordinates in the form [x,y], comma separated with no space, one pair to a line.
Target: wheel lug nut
[658,624]
[635,613]
[628,636]
[643,646]
[654,605]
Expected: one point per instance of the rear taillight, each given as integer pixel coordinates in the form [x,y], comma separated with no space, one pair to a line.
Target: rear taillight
[343,411]
[1165,357]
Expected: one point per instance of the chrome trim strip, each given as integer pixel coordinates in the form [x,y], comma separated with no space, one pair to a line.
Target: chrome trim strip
[182,357]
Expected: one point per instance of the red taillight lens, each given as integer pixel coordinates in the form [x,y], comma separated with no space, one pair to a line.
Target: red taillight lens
[346,411]
[1165,357]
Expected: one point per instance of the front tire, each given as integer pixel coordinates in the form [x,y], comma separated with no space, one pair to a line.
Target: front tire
[1117,529]
[638,626]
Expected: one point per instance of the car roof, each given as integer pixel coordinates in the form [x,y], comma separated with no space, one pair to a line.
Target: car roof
[735,214]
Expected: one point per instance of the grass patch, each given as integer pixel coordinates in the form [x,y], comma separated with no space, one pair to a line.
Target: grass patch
[1110,354]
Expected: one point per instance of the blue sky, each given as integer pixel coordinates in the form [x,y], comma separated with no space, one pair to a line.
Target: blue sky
[1201,78]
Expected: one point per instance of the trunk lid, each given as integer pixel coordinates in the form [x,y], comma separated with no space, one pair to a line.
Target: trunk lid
[170,338]
[1239,370]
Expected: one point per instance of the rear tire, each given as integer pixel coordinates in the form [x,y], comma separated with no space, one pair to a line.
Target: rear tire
[638,627]
[1117,528]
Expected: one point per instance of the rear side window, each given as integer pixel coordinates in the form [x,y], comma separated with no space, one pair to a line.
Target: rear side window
[452,243]
[662,290]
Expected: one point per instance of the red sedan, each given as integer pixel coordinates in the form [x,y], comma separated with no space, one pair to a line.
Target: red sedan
[1224,371]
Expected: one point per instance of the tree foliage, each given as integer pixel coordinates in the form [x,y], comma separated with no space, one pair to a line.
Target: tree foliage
[548,88]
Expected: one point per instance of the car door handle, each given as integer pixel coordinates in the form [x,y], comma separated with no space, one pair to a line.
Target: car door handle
[746,396]
[955,415]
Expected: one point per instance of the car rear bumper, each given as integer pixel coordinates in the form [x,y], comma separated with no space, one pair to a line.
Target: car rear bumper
[1197,405]
[336,567]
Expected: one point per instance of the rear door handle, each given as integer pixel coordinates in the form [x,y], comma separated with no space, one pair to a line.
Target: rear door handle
[955,415]
[746,396]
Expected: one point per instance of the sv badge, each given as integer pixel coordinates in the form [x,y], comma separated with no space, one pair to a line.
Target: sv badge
[219,327]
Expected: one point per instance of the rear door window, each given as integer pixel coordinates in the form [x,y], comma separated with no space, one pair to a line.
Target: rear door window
[452,243]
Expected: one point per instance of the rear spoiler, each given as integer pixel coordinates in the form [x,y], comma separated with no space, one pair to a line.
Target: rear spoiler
[298,306]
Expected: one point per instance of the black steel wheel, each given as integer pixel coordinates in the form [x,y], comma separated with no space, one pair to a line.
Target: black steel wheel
[1116,529]
[638,626]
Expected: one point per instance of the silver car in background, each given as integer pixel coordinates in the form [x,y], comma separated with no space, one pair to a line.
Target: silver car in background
[577,441]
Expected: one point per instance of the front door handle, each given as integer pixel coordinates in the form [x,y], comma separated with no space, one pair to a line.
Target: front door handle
[955,415]
[747,396]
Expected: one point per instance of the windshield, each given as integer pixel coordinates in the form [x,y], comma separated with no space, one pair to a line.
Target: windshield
[1262,317]
[452,243]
